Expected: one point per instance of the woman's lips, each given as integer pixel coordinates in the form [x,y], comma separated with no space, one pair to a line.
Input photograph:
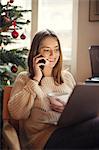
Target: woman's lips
[51,60]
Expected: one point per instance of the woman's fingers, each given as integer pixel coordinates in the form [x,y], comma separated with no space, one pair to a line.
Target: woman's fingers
[57,108]
[34,58]
[61,101]
[38,57]
[36,67]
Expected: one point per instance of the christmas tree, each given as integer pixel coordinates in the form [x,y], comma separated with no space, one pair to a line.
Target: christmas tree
[11,21]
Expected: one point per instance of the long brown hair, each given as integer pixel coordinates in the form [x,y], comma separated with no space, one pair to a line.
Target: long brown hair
[39,36]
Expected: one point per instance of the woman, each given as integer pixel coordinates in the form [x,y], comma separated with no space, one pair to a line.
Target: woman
[29,102]
[29,99]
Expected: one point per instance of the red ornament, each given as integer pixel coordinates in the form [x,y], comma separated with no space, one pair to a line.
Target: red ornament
[11,1]
[14,68]
[15,34]
[14,23]
[23,36]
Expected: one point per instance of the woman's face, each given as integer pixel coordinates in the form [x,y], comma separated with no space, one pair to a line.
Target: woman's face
[49,48]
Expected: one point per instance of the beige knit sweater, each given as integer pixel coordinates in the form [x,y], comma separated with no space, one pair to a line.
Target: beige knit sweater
[29,103]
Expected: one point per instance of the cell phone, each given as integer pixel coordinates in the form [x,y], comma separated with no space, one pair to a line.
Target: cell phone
[42,61]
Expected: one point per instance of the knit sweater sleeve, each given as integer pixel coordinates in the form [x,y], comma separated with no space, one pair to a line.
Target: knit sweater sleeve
[22,97]
[69,79]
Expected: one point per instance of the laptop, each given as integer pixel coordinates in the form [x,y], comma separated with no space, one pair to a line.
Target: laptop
[83,104]
[94,62]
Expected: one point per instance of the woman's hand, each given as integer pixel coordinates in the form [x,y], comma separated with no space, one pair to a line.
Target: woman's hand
[56,105]
[36,66]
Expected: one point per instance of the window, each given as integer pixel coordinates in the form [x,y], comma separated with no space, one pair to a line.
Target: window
[26,29]
[57,15]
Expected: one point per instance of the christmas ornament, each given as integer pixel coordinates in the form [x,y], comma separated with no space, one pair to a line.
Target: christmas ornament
[15,34]
[14,68]
[23,36]
[11,1]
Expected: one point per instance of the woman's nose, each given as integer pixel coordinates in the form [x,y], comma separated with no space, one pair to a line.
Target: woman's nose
[51,52]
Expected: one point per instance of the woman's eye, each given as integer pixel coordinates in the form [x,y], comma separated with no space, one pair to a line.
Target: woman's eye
[56,50]
[46,50]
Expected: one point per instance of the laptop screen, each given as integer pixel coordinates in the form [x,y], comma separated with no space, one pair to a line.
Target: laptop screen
[94,59]
[83,104]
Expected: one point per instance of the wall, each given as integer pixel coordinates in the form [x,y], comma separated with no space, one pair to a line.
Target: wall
[86,34]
